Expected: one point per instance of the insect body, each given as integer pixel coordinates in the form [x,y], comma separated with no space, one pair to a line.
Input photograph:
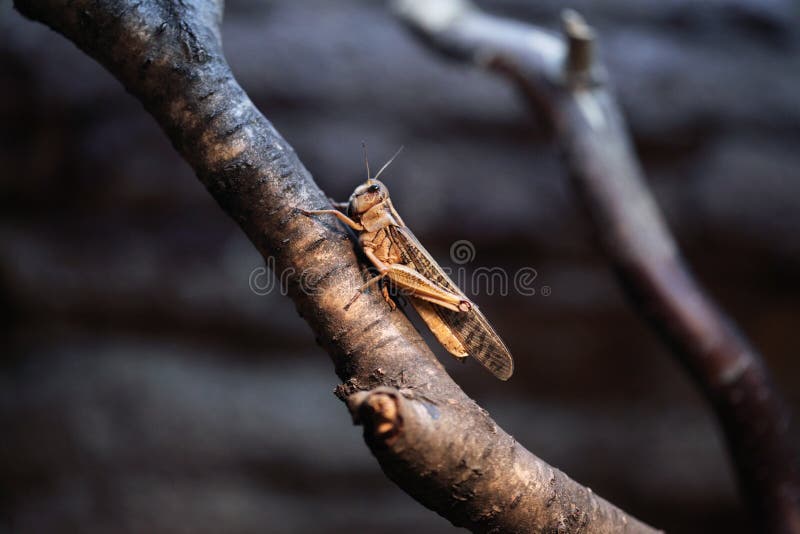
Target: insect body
[399,257]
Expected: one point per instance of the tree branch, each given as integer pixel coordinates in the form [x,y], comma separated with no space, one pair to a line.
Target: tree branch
[429,437]
[565,83]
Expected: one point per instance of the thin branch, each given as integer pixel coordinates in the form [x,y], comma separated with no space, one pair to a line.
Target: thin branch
[439,446]
[565,82]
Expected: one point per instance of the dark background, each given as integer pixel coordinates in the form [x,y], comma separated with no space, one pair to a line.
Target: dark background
[145,388]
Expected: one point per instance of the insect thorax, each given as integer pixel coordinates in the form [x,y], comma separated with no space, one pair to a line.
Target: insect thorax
[381,242]
[377,217]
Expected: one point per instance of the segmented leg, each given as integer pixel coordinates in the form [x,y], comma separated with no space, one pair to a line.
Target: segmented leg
[362,288]
[408,279]
[339,215]
[386,296]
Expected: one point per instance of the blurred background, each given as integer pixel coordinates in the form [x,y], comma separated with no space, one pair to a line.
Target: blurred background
[145,388]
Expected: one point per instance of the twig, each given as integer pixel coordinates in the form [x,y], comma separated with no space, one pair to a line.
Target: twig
[565,83]
[428,436]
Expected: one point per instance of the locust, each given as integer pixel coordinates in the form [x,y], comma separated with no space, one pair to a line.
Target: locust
[400,259]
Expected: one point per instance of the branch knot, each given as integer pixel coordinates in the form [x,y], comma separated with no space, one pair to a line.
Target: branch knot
[378,410]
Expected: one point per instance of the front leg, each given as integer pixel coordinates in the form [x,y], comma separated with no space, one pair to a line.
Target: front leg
[341,206]
[339,215]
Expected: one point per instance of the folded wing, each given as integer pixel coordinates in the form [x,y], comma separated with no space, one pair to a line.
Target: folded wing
[471,328]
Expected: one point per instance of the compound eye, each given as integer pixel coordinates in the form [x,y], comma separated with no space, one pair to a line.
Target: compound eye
[373,188]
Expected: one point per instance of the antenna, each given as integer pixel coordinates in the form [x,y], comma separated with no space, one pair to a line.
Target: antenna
[388,162]
[366,159]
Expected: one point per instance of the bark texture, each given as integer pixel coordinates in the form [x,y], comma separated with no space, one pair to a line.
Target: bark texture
[429,437]
[566,85]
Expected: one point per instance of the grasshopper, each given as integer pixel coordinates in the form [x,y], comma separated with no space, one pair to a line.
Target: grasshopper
[398,256]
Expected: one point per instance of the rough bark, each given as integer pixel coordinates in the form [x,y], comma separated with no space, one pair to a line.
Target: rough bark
[439,446]
[566,85]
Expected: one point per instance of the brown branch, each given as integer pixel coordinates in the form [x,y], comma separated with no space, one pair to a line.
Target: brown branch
[565,83]
[428,436]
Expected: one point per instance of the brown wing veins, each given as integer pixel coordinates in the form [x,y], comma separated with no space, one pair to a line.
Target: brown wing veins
[470,327]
